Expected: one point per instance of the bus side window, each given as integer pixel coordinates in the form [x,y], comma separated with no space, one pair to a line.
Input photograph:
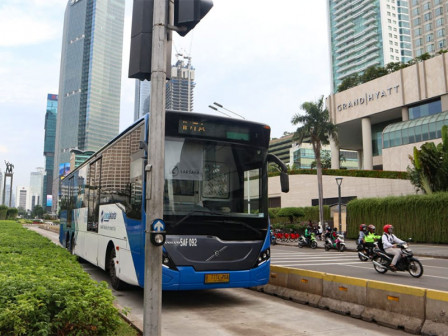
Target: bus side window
[94,195]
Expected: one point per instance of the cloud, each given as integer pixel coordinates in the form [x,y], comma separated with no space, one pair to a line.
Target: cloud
[27,23]
[3,149]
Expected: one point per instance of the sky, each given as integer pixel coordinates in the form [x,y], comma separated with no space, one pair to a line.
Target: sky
[258,58]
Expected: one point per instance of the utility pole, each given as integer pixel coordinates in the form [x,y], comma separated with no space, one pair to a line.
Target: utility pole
[149,56]
[155,172]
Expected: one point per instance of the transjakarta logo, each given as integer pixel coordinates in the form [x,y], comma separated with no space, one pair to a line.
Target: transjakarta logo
[106,216]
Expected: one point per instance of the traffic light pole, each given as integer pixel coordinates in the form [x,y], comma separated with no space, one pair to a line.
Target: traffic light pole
[152,310]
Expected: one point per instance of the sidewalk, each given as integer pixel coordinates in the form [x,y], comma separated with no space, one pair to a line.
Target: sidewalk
[420,250]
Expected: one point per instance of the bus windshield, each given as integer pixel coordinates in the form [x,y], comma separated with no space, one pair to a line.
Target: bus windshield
[211,178]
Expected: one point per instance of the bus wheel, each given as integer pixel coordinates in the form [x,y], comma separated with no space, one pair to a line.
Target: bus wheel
[71,247]
[116,283]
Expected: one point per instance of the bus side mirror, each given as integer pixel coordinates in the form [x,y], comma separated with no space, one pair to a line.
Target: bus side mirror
[284,178]
[284,182]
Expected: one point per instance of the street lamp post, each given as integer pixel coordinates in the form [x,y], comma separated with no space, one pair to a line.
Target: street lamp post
[339,182]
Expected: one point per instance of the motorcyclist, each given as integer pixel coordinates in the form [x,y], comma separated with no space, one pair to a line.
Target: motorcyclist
[370,238]
[390,242]
[307,235]
[334,235]
[362,233]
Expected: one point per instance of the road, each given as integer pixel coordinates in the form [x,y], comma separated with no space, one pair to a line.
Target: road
[227,312]
[435,275]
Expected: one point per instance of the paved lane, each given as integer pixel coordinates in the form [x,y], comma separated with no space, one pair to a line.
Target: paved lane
[435,274]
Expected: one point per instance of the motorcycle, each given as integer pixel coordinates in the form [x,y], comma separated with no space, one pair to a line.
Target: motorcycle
[365,253]
[273,238]
[311,242]
[381,261]
[338,244]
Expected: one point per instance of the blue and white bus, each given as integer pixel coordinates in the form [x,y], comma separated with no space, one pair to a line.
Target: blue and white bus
[215,204]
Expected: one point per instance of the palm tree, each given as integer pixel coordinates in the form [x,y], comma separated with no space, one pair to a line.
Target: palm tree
[316,126]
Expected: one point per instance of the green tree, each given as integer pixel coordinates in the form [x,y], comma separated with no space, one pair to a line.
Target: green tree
[349,82]
[11,213]
[326,160]
[37,212]
[315,125]
[429,171]
[394,66]
[3,211]
[290,213]
[21,212]
[373,72]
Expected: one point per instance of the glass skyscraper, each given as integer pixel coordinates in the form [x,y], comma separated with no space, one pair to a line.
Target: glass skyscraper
[179,90]
[142,94]
[49,141]
[90,78]
[366,33]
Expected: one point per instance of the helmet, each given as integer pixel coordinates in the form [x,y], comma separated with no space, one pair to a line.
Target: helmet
[328,228]
[388,228]
[371,228]
[362,227]
[335,229]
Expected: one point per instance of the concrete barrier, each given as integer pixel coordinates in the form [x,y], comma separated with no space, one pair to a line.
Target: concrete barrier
[436,321]
[344,295]
[395,306]
[306,286]
[416,310]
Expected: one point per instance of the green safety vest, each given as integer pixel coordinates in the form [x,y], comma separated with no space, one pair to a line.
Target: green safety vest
[370,238]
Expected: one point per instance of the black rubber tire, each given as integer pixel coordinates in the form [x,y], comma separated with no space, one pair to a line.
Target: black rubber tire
[415,268]
[362,258]
[381,261]
[115,282]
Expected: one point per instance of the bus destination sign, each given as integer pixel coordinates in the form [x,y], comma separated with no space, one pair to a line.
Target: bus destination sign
[215,130]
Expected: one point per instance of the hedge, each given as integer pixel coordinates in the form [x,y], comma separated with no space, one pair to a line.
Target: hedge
[44,291]
[420,217]
[311,212]
[351,172]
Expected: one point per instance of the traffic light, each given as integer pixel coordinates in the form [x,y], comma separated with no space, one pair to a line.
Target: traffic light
[188,13]
[141,40]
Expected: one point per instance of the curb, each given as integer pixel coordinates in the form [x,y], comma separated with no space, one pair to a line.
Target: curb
[133,321]
[413,309]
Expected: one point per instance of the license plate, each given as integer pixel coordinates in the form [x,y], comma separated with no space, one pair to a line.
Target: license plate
[217,278]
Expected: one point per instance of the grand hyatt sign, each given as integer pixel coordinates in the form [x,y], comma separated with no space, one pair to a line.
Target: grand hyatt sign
[368,97]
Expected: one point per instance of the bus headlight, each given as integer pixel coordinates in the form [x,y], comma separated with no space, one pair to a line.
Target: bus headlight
[263,257]
[167,262]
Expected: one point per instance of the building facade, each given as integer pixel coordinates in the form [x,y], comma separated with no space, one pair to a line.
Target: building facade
[302,156]
[180,89]
[367,33]
[429,20]
[23,198]
[1,187]
[90,78]
[36,187]
[49,142]
[142,98]
[384,119]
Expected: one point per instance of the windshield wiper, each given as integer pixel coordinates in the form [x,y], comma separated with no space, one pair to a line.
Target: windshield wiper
[208,212]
